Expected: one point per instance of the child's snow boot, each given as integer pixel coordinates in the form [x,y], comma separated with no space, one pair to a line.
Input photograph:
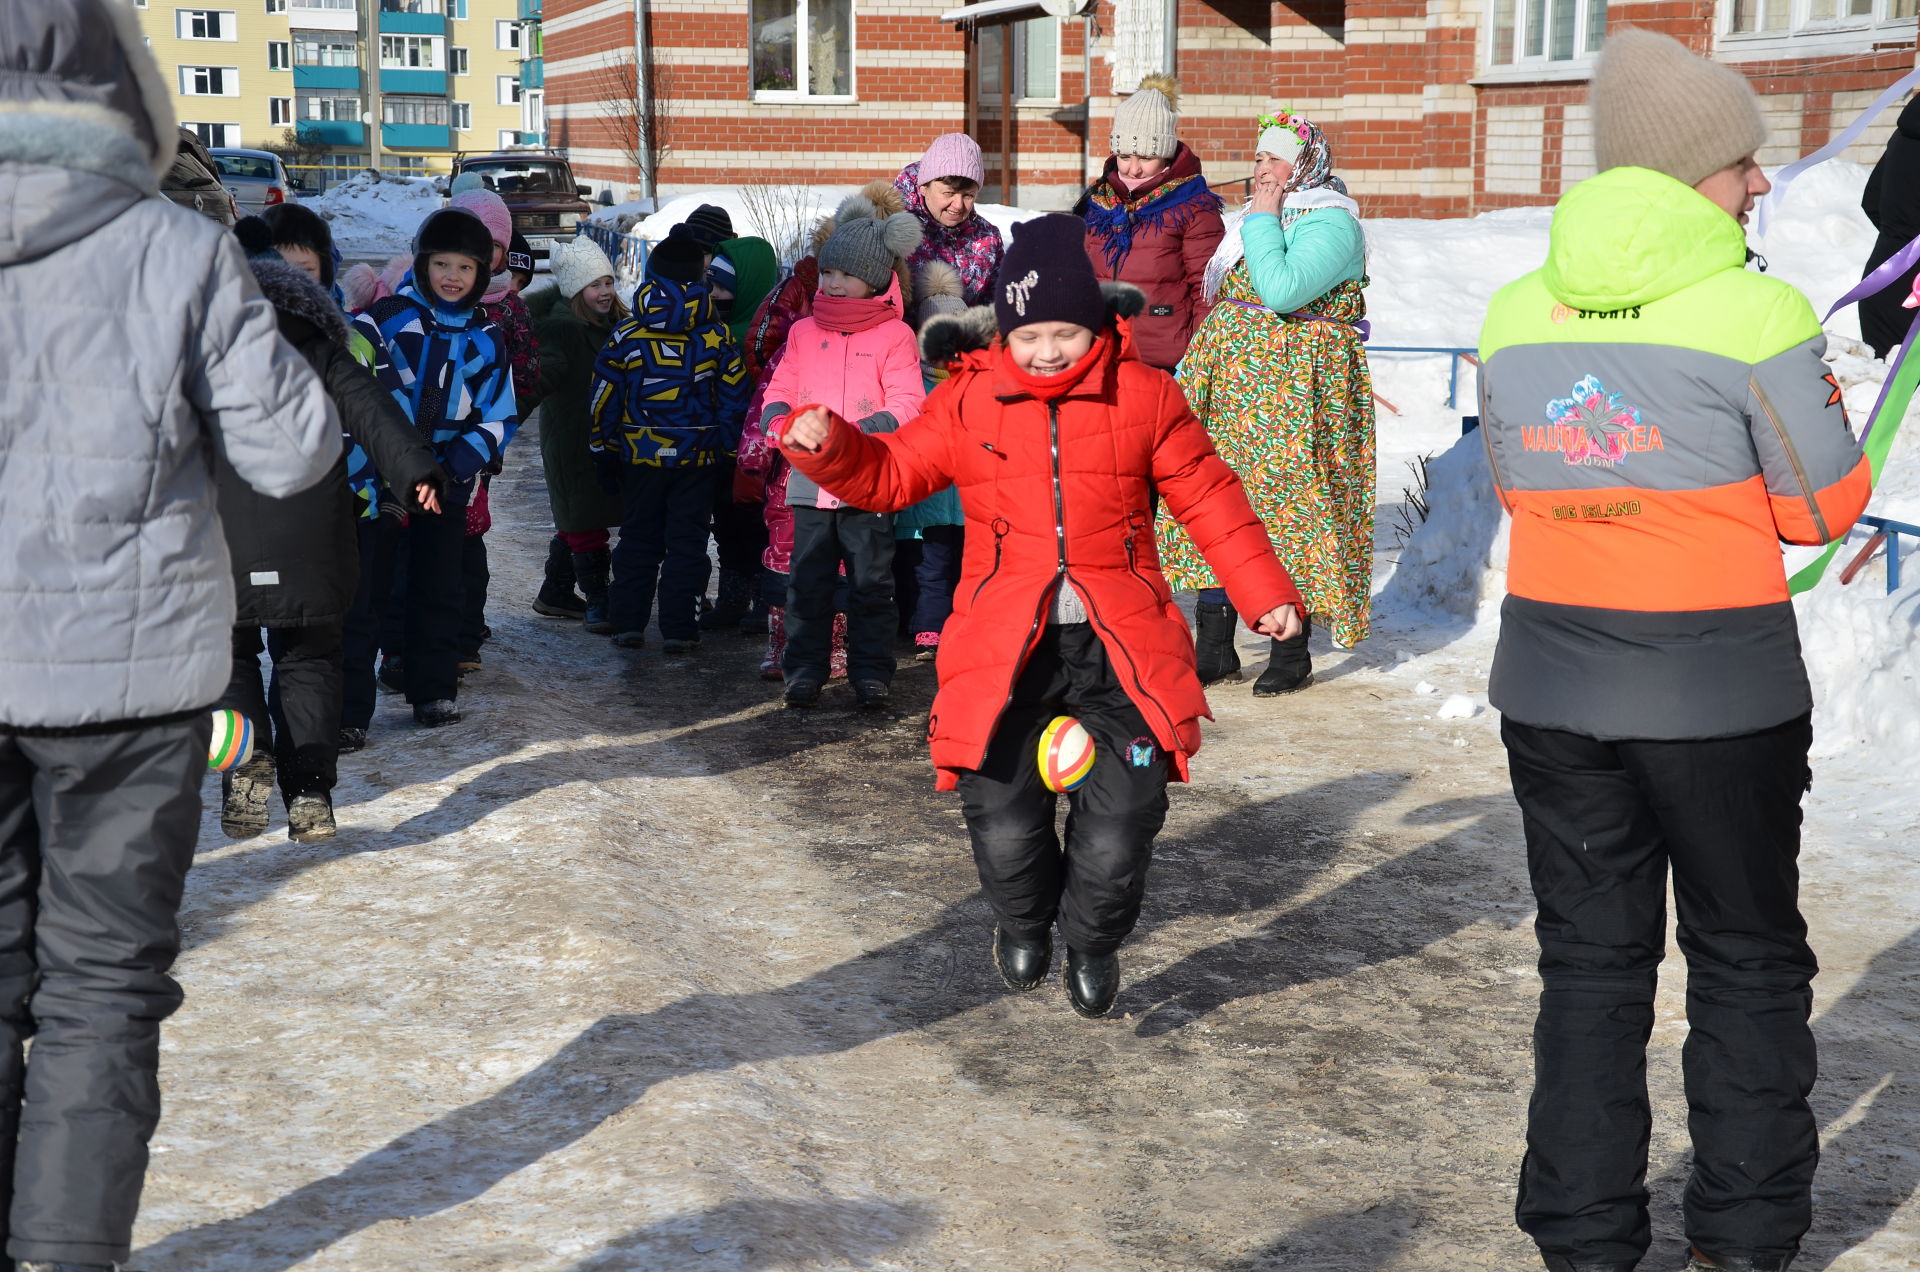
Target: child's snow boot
[926,646]
[776,642]
[592,570]
[1093,982]
[1213,653]
[310,818]
[244,794]
[556,597]
[837,659]
[1023,964]
[1698,1262]
[732,599]
[1289,667]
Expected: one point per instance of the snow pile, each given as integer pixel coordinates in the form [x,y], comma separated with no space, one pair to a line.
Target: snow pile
[1452,573]
[1431,280]
[376,215]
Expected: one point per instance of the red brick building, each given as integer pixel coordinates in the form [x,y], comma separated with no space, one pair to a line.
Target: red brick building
[1435,107]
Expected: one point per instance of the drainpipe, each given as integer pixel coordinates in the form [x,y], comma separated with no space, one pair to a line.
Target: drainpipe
[370,22]
[1086,100]
[643,92]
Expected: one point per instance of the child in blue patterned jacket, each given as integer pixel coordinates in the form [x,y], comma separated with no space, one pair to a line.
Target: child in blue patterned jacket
[450,372]
[670,394]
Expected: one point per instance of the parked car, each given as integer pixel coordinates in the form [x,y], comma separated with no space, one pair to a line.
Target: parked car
[194,182]
[255,178]
[537,187]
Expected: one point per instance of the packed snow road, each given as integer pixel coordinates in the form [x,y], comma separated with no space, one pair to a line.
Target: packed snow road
[634,970]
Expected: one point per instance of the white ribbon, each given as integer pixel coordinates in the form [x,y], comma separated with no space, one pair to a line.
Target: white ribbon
[1847,136]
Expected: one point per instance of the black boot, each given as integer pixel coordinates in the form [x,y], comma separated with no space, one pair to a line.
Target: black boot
[1289,666]
[556,598]
[1698,1262]
[591,569]
[733,599]
[1093,981]
[1213,650]
[1560,1263]
[1023,964]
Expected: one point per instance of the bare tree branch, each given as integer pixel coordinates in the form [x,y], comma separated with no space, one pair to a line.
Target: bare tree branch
[640,122]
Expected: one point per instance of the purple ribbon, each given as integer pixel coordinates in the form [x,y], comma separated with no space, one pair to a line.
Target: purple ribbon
[1784,179]
[1880,279]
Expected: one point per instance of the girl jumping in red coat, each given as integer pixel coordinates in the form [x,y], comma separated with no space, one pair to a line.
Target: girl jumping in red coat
[1059,439]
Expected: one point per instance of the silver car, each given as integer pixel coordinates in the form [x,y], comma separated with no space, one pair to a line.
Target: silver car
[255,178]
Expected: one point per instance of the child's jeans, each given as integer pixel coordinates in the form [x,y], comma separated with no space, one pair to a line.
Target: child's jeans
[822,539]
[663,548]
[1094,887]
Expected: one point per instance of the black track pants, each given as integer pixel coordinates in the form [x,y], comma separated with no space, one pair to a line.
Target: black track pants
[1093,887]
[1604,822]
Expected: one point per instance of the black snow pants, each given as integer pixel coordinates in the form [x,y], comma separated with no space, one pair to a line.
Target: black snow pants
[824,538]
[96,834]
[1604,822]
[1093,887]
[298,718]
[360,640]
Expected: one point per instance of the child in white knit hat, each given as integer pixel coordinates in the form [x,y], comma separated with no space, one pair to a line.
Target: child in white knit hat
[572,321]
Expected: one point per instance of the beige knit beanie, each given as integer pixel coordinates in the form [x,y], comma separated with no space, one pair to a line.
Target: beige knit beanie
[1656,105]
[1145,125]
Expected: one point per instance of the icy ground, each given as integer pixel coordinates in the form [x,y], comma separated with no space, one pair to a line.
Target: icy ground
[634,971]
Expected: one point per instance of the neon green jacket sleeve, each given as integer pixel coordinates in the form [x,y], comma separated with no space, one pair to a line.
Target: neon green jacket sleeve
[1300,264]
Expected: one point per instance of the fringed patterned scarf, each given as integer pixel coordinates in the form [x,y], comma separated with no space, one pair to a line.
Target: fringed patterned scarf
[1117,217]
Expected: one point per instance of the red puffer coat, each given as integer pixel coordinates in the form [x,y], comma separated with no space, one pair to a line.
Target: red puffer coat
[1058,476]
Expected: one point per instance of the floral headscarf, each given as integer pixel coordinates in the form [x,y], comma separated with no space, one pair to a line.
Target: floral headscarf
[1312,185]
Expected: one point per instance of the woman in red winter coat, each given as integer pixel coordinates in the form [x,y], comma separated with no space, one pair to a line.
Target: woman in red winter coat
[1152,221]
[1059,440]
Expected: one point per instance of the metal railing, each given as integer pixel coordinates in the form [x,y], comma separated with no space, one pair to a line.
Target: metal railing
[628,252]
[1882,531]
[1455,356]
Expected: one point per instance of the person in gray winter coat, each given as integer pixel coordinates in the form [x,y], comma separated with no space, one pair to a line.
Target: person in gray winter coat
[137,349]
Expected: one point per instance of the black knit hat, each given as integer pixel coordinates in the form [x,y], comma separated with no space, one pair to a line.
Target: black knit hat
[296,226]
[520,253]
[1047,276]
[710,225]
[678,258]
[456,233]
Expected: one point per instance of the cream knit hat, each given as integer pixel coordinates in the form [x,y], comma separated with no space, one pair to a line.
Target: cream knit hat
[1656,105]
[1145,124]
[576,264]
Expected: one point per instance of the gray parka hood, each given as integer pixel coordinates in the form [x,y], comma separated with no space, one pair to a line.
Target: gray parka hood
[83,111]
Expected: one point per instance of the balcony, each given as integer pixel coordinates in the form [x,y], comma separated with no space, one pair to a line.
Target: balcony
[344,78]
[416,136]
[410,22]
[414,83]
[530,10]
[532,74]
[326,132]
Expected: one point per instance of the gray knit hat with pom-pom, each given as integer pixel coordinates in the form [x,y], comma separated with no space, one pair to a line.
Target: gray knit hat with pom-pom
[867,247]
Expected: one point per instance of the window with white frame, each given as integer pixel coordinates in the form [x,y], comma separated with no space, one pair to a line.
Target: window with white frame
[507,90]
[506,35]
[457,10]
[412,53]
[1816,17]
[214,135]
[276,6]
[802,48]
[330,107]
[1036,60]
[325,50]
[508,137]
[463,116]
[414,110]
[279,111]
[209,81]
[533,111]
[279,55]
[433,8]
[1533,33]
[457,60]
[204,24]
[337,5]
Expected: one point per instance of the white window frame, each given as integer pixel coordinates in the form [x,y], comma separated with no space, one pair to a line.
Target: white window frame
[506,90]
[507,35]
[331,114]
[462,117]
[459,60]
[225,20]
[280,112]
[509,137]
[457,10]
[279,55]
[1026,97]
[229,81]
[334,39]
[533,110]
[1544,64]
[276,6]
[801,17]
[436,47]
[1823,36]
[227,138]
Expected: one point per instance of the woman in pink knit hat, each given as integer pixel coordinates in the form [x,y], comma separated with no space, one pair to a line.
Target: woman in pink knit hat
[940,188]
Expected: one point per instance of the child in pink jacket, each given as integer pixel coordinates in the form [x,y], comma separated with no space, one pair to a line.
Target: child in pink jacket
[857,355]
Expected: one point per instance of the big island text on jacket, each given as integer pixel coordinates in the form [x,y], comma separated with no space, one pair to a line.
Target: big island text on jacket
[1658,419]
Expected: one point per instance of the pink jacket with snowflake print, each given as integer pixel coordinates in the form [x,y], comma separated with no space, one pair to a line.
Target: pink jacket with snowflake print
[870,377]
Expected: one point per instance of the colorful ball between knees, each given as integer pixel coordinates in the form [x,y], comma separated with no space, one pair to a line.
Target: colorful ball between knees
[1066,754]
[232,742]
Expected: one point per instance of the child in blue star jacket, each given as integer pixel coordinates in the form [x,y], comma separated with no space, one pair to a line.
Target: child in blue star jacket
[450,372]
